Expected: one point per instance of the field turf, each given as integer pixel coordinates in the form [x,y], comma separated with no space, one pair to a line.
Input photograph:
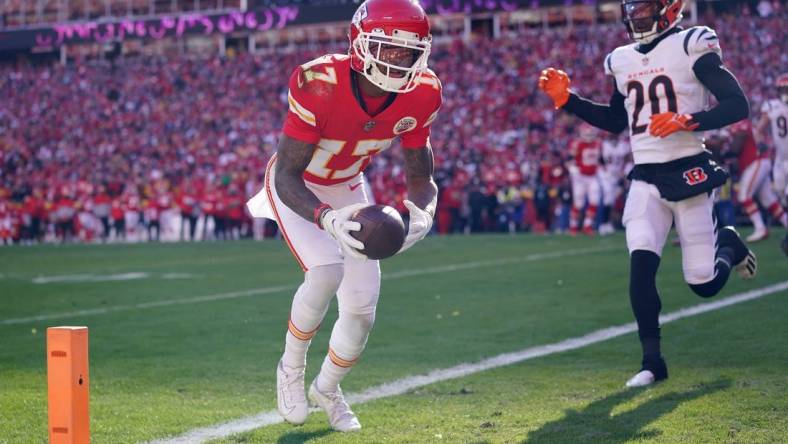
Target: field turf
[188,335]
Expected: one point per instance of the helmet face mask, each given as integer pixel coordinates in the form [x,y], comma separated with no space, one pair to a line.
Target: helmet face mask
[782,87]
[390,43]
[391,62]
[646,20]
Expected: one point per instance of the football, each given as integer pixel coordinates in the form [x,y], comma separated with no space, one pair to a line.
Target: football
[382,231]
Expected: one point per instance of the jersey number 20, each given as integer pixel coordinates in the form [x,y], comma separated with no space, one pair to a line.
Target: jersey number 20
[667,86]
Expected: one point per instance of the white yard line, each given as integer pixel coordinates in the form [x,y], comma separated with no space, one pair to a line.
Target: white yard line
[130,276]
[90,278]
[404,385]
[276,289]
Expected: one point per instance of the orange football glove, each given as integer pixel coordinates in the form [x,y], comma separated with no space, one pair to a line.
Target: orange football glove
[665,124]
[555,83]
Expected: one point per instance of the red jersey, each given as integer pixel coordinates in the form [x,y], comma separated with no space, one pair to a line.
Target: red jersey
[749,152]
[586,154]
[131,202]
[235,206]
[208,203]
[31,207]
[186,201]
[102,204]
[324,111]
[117,211]
[151,209]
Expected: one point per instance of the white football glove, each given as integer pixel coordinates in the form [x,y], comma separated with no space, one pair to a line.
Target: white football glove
[418,227]
[337,224]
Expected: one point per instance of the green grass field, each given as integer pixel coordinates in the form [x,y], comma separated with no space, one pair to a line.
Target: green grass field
[194,342]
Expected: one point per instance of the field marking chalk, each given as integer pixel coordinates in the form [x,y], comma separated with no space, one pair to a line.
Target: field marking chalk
[404,385]
[275,289]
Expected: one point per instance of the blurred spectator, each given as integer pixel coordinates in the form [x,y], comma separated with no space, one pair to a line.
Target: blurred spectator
[93,130]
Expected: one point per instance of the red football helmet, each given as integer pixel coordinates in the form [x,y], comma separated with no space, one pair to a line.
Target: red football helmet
[390,42]
[648,19]
[782,87]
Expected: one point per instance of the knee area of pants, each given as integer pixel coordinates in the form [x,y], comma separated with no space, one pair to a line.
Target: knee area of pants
[698,276]
[357,321]
[641,242]
[326,276]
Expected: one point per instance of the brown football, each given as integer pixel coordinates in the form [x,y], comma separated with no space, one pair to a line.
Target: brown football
[382,231]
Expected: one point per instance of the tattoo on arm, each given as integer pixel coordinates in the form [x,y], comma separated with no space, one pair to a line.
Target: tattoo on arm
[419,167]
[293,156]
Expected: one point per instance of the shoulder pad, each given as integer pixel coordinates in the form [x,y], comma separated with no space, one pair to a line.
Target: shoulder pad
[700,40]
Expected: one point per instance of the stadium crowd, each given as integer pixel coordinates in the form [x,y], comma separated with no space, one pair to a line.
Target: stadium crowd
[171,147]
[37,12]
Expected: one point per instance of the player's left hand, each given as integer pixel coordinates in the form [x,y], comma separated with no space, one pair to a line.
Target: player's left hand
[418,227]
[665,124]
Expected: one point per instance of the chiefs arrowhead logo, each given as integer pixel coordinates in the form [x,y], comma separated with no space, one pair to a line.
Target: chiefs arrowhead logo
[404,125]
[695,176]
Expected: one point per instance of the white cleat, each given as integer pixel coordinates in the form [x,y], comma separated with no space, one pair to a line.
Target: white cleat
[642,379]
[758,235]
[290,395]
[748,267]
[341,418]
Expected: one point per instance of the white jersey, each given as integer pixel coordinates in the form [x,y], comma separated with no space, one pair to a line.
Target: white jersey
[777,111]
[663,81]
[614,155]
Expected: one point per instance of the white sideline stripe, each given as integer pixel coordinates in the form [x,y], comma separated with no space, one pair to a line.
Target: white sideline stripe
[107,277]
[404,385]
[90,278]
[494,262]
[144,305]
[276,289]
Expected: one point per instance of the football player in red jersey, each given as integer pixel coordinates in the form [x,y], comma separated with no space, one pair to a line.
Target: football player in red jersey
[586,151]
[755,165]
[344,109]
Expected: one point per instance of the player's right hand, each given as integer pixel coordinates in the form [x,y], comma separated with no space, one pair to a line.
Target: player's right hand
[555,83]
[337,223]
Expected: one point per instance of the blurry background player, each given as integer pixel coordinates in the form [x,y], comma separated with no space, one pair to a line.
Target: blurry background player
[755,184]
[585,151]
[614,168]
[775,111]
[343,110]
[662,83]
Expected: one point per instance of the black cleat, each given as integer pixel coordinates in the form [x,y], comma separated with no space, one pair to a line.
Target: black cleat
[744,261]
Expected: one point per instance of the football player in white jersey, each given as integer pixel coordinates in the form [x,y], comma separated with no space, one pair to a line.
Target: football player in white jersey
[662,85]
[611,173]
[775,111]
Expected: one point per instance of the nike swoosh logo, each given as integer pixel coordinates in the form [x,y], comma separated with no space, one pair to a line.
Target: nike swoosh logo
[354,187]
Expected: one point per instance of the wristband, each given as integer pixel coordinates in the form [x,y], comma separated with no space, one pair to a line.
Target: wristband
[318,213]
